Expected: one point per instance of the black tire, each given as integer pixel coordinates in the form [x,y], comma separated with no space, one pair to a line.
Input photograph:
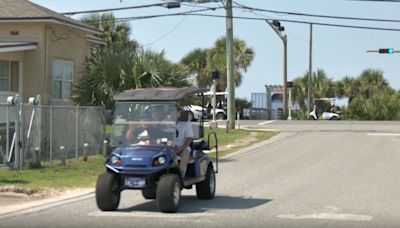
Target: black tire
[107,192]
[220,116]
[206,188]
[334,118]
[149,193]
[169,193]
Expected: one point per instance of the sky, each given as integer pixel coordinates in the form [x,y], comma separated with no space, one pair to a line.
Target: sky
[339,52]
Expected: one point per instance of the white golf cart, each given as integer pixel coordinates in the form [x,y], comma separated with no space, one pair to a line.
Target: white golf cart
[332,114]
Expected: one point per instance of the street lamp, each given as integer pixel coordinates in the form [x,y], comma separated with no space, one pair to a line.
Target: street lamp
[279,29]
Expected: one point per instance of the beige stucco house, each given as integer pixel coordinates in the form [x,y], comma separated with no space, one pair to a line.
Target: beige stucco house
[41,52]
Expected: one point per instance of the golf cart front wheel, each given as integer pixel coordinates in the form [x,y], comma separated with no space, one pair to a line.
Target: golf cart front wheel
[206,188]
[107,192]
[169,193]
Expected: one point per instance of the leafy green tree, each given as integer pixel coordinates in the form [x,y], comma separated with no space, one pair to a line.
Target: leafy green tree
[383,105]
[201,62]
[322,86]
[113,71]
[241,104]
[371,82]
[196,62]
[115,34]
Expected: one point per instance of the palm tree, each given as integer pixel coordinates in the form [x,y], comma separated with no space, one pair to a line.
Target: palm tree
[371,82]
[114,33]
[322,86]
[196,63]
[243,56]
[112,71]
[350,88]
[201,62]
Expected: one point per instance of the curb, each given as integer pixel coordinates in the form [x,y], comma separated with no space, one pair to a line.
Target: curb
[65,196]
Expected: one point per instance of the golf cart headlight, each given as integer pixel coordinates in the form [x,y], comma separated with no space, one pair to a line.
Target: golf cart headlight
[116,160]
[161,160]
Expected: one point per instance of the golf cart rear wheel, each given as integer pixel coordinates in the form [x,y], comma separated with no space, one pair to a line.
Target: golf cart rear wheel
[220,116]
[168,193]
[107,192]
[206,188]
[149,193]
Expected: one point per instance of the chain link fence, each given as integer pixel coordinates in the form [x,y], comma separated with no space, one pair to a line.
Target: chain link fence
[79,130]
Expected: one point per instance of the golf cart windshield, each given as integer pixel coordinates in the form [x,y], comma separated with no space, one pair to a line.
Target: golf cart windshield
[139,123]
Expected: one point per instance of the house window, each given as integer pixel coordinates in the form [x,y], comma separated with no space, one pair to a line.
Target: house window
[62,78]
[9,76]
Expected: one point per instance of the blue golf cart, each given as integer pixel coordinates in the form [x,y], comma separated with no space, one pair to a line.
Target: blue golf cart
[142,147]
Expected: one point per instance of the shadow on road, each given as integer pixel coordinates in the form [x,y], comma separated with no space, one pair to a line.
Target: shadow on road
[190,204]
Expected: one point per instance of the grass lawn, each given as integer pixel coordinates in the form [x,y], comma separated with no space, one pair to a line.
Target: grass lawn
[84,174]
[76,174]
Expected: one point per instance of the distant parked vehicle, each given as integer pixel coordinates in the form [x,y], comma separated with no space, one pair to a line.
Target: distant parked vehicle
[195,112]
[332,114]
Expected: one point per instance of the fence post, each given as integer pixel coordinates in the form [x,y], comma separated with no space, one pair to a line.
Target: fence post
[238,119]
[22,132]
[85,152]
[7,132]
[39,122]
[105,148]
[17,133]
[36,159]
[51,135]
[63,157]
[76,131]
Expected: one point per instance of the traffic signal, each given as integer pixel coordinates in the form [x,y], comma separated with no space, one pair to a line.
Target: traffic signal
[386,51]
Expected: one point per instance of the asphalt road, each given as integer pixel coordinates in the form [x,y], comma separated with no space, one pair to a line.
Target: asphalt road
[301,178]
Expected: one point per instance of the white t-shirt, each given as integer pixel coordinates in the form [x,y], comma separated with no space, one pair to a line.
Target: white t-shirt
[184,131]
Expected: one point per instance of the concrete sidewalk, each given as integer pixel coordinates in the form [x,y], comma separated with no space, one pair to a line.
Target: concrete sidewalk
[12,203]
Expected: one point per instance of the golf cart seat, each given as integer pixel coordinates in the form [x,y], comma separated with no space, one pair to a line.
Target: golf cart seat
[196,146]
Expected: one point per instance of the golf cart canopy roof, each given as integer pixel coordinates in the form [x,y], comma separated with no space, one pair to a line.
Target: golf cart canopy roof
[157,94]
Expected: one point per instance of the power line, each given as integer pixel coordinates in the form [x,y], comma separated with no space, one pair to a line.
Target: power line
[315,15]
[196,13]
[300,22]
[169,32]
[375,0]
[116,9]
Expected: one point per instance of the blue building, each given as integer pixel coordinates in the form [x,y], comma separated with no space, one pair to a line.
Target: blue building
[268,105]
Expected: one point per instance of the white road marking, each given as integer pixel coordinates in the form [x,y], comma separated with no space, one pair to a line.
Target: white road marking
[383,134]
[331,216]
[143,214]
[267,122]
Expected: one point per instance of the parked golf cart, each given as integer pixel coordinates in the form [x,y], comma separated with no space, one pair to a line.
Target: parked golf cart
[332,114]
[147,161]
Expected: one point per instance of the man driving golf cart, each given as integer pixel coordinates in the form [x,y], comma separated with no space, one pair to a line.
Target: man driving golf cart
[183,130]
